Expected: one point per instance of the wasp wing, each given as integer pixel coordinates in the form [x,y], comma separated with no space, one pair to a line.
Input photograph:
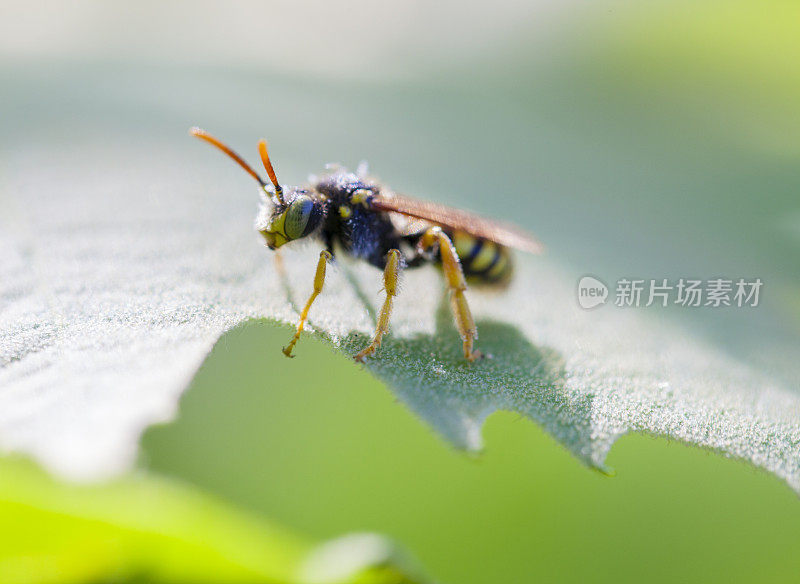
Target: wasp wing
[456,219]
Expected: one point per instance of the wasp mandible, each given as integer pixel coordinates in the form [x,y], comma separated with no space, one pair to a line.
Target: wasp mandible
[358,216]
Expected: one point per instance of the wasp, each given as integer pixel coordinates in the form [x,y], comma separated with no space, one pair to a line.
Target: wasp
[352,214]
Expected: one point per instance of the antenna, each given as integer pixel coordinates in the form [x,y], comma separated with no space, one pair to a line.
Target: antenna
[262,149]
[203,135]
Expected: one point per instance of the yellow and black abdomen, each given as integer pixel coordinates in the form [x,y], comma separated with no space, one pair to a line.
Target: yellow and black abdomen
[482,260]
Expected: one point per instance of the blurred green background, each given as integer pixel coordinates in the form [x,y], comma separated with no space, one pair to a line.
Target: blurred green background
[321,446]
[646,139]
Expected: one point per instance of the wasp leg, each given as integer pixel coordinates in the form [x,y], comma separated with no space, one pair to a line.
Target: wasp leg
[280,267]
[319,282]
[456,285]
[390,277]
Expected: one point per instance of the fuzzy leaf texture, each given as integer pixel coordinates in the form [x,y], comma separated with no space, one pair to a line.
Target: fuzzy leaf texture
[127,248]
[112,295]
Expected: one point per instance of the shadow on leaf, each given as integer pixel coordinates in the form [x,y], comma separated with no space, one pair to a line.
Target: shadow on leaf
[429,374]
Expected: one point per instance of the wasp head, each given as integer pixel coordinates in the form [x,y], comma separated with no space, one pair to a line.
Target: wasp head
[287,214]
[294,216]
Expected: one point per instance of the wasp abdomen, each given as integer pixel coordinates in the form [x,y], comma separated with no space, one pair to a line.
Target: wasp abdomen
[482,260]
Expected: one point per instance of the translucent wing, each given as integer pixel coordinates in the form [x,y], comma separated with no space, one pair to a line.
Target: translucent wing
[456,219]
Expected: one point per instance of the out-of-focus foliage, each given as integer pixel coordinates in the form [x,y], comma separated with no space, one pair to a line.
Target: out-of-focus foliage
[146,529]
[733,63]
[135,528]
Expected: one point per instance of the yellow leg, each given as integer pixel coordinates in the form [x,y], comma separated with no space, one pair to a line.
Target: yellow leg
[280,267]
[319,282]
[456,285]
[390,277]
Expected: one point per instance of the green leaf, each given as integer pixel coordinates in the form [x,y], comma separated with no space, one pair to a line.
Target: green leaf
[586,376]
[120,268]
[116,359]
[139,527]
[147,529]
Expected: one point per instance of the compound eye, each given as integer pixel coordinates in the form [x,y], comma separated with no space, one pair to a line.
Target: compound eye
[297,217]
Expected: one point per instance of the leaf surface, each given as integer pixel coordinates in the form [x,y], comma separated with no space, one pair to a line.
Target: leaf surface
[126,249]
[112,298]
